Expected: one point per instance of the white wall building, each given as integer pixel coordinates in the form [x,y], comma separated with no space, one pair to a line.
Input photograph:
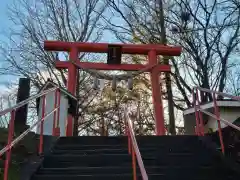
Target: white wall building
[229,110]
[68,105]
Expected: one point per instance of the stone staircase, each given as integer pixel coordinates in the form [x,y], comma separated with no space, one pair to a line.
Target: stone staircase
[164,157]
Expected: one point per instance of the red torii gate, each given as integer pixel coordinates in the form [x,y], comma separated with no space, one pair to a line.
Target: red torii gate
[152,50]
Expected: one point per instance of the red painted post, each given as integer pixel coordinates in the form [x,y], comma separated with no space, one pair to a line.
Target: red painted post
[127,133]
[57,129]
[197,130]
[129,145]
[129,141]
[71,84]
[200,115]
[41,125]
[217,113]
[54,114]
[156,94]
[10,138]
[165,131]
[134,164]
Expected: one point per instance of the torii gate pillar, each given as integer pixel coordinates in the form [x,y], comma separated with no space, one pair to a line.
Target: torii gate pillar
[153,67]
[156,94]
[71,86]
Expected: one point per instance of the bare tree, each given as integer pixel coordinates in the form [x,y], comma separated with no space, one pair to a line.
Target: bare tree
[209,35]
[73,20]
[33,22]
[40,20]
[233,80]
[208,31]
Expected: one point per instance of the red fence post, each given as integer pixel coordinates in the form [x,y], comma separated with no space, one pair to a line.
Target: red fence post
[127,134]
[41,125]
[55,115]
[200,113]
[134,164]
[57,130]
[10,137]
[129,144]
[217,113]
[196,113]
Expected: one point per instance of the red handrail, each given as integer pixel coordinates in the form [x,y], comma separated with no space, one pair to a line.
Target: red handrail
[133,148]
[216,115]
[13,109]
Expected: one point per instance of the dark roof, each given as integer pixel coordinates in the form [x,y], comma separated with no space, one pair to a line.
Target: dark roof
[72,100]
[50,84]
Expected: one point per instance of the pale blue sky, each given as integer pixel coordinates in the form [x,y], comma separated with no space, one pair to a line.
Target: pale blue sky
[3,13]
[4,24]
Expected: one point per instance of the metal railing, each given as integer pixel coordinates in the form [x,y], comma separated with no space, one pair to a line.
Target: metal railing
[56,130]
[216,116]
[133,148]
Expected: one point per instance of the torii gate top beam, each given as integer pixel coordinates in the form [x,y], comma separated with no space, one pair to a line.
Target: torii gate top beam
[103,48]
